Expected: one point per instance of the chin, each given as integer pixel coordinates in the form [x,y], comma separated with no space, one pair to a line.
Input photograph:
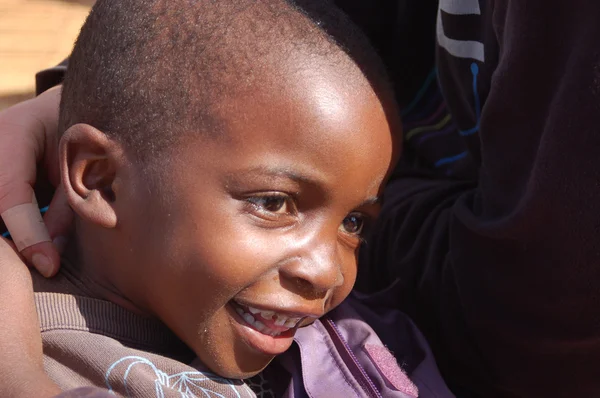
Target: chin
[239,374]
[221,352]
[244,370]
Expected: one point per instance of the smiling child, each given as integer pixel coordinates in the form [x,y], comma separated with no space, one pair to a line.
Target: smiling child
[224,160]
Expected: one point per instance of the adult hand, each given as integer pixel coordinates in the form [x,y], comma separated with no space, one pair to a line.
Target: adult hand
[21,363]
[28,138]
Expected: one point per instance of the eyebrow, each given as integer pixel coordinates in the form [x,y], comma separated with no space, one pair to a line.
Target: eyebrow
[371,201]
[299,177]
[283,172]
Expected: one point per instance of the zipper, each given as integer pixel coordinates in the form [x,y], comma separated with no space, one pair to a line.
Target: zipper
[350,359]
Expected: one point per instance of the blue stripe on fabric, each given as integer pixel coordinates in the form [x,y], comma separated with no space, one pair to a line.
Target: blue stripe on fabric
[450,159]
[470,131]
[473,130]
[475,72]
[420,93]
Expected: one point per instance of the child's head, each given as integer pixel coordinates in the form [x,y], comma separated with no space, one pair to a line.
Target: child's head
[224,159]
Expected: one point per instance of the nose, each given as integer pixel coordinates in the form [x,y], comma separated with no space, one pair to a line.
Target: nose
[315,270]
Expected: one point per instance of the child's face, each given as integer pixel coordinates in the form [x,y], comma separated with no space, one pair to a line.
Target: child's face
[255,234]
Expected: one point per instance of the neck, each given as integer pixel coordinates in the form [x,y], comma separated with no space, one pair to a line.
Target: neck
[91,269]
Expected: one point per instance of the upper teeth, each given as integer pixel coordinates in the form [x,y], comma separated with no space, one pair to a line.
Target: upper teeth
[281,320]
[258,325]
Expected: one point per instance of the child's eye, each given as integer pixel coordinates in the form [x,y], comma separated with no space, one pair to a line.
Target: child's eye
[353,224]
[276,204]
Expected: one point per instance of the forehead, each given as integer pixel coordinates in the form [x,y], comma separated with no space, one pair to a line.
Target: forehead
[323,116]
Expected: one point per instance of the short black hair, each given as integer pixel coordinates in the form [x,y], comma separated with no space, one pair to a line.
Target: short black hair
[147,72]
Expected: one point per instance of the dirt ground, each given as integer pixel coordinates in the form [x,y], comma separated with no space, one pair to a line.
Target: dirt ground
[34,34]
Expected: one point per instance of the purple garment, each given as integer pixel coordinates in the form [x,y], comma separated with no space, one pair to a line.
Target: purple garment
[341,355]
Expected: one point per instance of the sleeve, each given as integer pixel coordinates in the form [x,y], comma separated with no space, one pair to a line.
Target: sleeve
[502,274]
[50,77]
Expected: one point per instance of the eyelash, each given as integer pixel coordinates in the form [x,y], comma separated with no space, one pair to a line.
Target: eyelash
[287,201]
[258,205]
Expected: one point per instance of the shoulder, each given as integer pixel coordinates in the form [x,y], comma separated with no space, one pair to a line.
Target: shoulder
[90,342]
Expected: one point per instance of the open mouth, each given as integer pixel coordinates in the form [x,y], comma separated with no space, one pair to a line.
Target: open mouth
[265,321]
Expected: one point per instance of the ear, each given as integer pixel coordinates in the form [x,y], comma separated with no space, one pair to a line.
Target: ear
[89,162]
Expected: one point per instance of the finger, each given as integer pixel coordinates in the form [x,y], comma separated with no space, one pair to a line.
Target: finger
[38,251]
[25,224]
[13,193]
[47,112]
[33,238]
[59,219]
[28,232]
[27,136]
[19,154]
[45,256]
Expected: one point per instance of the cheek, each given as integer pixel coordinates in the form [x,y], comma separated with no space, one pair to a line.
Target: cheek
[225,251]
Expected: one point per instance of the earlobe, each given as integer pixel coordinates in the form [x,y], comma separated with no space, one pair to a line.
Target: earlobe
[89,161]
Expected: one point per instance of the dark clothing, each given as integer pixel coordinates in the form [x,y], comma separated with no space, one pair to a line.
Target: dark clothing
[496,246]
[50,77]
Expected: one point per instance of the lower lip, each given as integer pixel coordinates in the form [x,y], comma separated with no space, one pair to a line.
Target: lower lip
[264,343]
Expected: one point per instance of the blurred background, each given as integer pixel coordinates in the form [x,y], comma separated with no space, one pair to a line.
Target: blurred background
[34,35]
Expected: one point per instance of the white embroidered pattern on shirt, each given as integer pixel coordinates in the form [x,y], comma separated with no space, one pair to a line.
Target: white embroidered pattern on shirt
[185,384]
